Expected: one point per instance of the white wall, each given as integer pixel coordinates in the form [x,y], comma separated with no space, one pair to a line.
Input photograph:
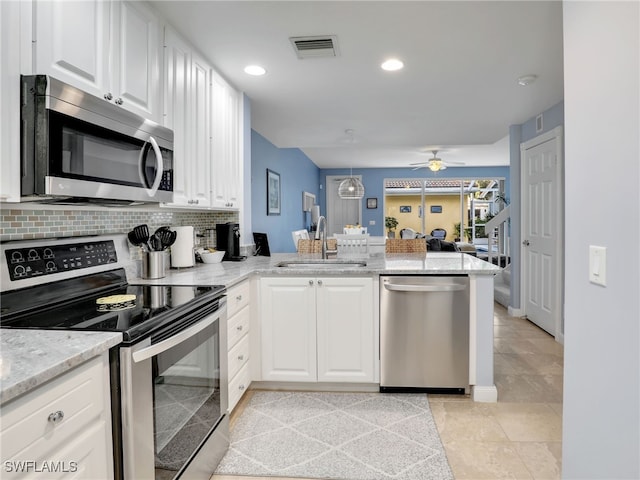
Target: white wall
[602,335]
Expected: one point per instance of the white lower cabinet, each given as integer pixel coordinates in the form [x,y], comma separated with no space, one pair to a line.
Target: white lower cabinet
[238,348]
[64,424]
[318,329]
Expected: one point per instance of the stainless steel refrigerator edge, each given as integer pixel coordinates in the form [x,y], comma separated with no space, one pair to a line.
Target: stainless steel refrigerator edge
[424,333]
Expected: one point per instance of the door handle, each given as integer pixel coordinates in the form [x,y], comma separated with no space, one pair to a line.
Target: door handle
[424,288]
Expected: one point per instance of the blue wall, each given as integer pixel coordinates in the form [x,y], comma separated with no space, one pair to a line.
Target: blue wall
[297,174]
[373,180]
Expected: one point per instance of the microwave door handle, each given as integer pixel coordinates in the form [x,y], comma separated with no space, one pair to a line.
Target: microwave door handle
[174,340]
[141,162]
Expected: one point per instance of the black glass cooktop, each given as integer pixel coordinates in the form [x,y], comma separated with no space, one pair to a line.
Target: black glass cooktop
[104,302]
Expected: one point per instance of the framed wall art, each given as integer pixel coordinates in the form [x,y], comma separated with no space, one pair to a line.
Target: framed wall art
[372,203]
[405,209]
[273,193]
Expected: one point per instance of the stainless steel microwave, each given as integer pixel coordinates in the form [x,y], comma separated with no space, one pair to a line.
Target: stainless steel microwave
[78,146]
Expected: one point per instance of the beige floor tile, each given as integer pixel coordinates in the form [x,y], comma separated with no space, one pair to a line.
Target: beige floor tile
[557,407]
[544,364]
[468,421]
[514,345]
[512,363]
[529,422]
[543,459]
[529,388]
[485,461]
[547,345]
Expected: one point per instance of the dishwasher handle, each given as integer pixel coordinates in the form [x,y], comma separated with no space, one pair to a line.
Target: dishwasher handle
[448,287]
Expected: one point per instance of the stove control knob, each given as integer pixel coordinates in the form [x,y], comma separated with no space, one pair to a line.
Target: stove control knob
[16,257]
[47,253]
[19,271]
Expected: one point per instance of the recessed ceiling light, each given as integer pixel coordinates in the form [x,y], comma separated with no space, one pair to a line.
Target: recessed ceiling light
[392,65]
[255,70]
[525,80]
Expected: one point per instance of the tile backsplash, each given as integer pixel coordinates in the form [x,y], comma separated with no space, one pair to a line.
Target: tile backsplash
[23,224]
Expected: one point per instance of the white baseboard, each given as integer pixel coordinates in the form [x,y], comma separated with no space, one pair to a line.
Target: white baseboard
[516,312]
[485,394]
[315,386]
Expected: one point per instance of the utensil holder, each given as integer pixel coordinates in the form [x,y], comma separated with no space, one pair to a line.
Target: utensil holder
[153,264]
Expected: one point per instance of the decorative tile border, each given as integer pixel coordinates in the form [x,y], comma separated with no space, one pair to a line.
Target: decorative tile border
[22,224]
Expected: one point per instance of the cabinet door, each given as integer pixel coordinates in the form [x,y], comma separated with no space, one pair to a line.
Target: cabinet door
[346,333]
[72,43]
[288,311]
[200,129]
[135,50]
[177,66]
[10,101]
[226,171]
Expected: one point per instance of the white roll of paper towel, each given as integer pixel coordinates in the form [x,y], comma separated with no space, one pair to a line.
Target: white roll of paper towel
[182,251]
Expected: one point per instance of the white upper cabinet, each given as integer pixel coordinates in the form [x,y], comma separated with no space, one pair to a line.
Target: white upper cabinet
[10,50]
[108,49]
[226,180]
[187,112]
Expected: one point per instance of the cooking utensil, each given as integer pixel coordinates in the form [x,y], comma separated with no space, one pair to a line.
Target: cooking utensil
[142,234]
[164,237]
[135,241]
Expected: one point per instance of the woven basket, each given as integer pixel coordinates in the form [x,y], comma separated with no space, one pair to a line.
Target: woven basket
[405,245]
[315,246]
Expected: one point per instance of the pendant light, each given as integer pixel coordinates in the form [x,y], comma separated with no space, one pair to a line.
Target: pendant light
[351,188]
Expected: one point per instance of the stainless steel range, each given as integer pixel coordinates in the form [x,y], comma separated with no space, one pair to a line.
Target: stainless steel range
[168,377]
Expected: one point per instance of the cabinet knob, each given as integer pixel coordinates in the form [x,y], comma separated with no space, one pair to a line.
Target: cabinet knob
[319,282]
[240,357]
[239,297]
[108,96]
[239,327]
[119,101]
[310,282]
[197,201]
[241,387]
[56,417]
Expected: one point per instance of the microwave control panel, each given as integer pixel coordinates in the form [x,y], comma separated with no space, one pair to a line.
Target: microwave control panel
[38,261]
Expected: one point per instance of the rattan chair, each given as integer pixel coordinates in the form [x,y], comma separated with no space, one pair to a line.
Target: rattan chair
[405,245]
[315,246]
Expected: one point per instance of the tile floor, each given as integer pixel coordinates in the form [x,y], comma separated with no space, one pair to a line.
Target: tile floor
[520,437]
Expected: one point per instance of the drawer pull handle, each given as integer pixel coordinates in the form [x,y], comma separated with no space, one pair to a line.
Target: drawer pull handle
[240,357]
[56,416]
[241,387]
[239,327]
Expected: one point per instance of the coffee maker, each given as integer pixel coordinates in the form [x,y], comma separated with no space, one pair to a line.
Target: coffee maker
[228,241]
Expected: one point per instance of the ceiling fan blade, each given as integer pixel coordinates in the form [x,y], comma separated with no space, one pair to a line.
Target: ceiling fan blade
[420,163]
[454,163]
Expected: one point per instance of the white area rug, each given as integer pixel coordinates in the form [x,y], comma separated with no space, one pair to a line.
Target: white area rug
[348,436]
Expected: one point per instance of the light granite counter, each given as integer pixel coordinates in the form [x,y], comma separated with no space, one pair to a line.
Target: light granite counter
[29,358]
[230,273]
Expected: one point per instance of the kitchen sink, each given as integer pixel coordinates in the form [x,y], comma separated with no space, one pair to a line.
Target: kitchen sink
[322,264]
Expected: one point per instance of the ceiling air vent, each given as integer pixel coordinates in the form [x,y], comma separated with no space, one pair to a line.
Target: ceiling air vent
[318,46]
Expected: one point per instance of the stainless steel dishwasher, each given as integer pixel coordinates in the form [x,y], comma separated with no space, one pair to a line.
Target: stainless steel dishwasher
[424,333]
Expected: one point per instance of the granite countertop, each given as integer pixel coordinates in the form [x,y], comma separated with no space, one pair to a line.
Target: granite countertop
[29,358]
[230,273]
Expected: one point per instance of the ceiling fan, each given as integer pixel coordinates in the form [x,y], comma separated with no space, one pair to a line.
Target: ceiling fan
[434,164]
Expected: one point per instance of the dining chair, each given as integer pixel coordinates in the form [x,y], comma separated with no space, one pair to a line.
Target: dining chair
[405,245]
[353,243]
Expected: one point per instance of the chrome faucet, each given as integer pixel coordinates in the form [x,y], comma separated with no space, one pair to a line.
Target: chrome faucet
[321,233]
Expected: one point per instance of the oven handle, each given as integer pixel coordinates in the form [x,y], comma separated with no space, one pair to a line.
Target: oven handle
[171,342]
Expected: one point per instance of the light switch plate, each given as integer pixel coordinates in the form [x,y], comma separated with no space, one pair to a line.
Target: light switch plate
[372,222]
[598,265]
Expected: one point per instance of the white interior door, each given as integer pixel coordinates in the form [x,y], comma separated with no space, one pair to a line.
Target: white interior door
[341,212]
[542,207]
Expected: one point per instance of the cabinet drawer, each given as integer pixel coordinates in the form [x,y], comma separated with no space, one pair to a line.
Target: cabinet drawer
[238,356]
[80,395]
[238,326]
[238,385]
[238,297]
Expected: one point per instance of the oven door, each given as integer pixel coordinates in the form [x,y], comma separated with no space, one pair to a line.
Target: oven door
[174,402]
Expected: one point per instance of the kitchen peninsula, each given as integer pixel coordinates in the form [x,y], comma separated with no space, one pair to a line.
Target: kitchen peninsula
[311,267]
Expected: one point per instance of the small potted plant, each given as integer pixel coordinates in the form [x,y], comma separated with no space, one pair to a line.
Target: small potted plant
[391,223]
